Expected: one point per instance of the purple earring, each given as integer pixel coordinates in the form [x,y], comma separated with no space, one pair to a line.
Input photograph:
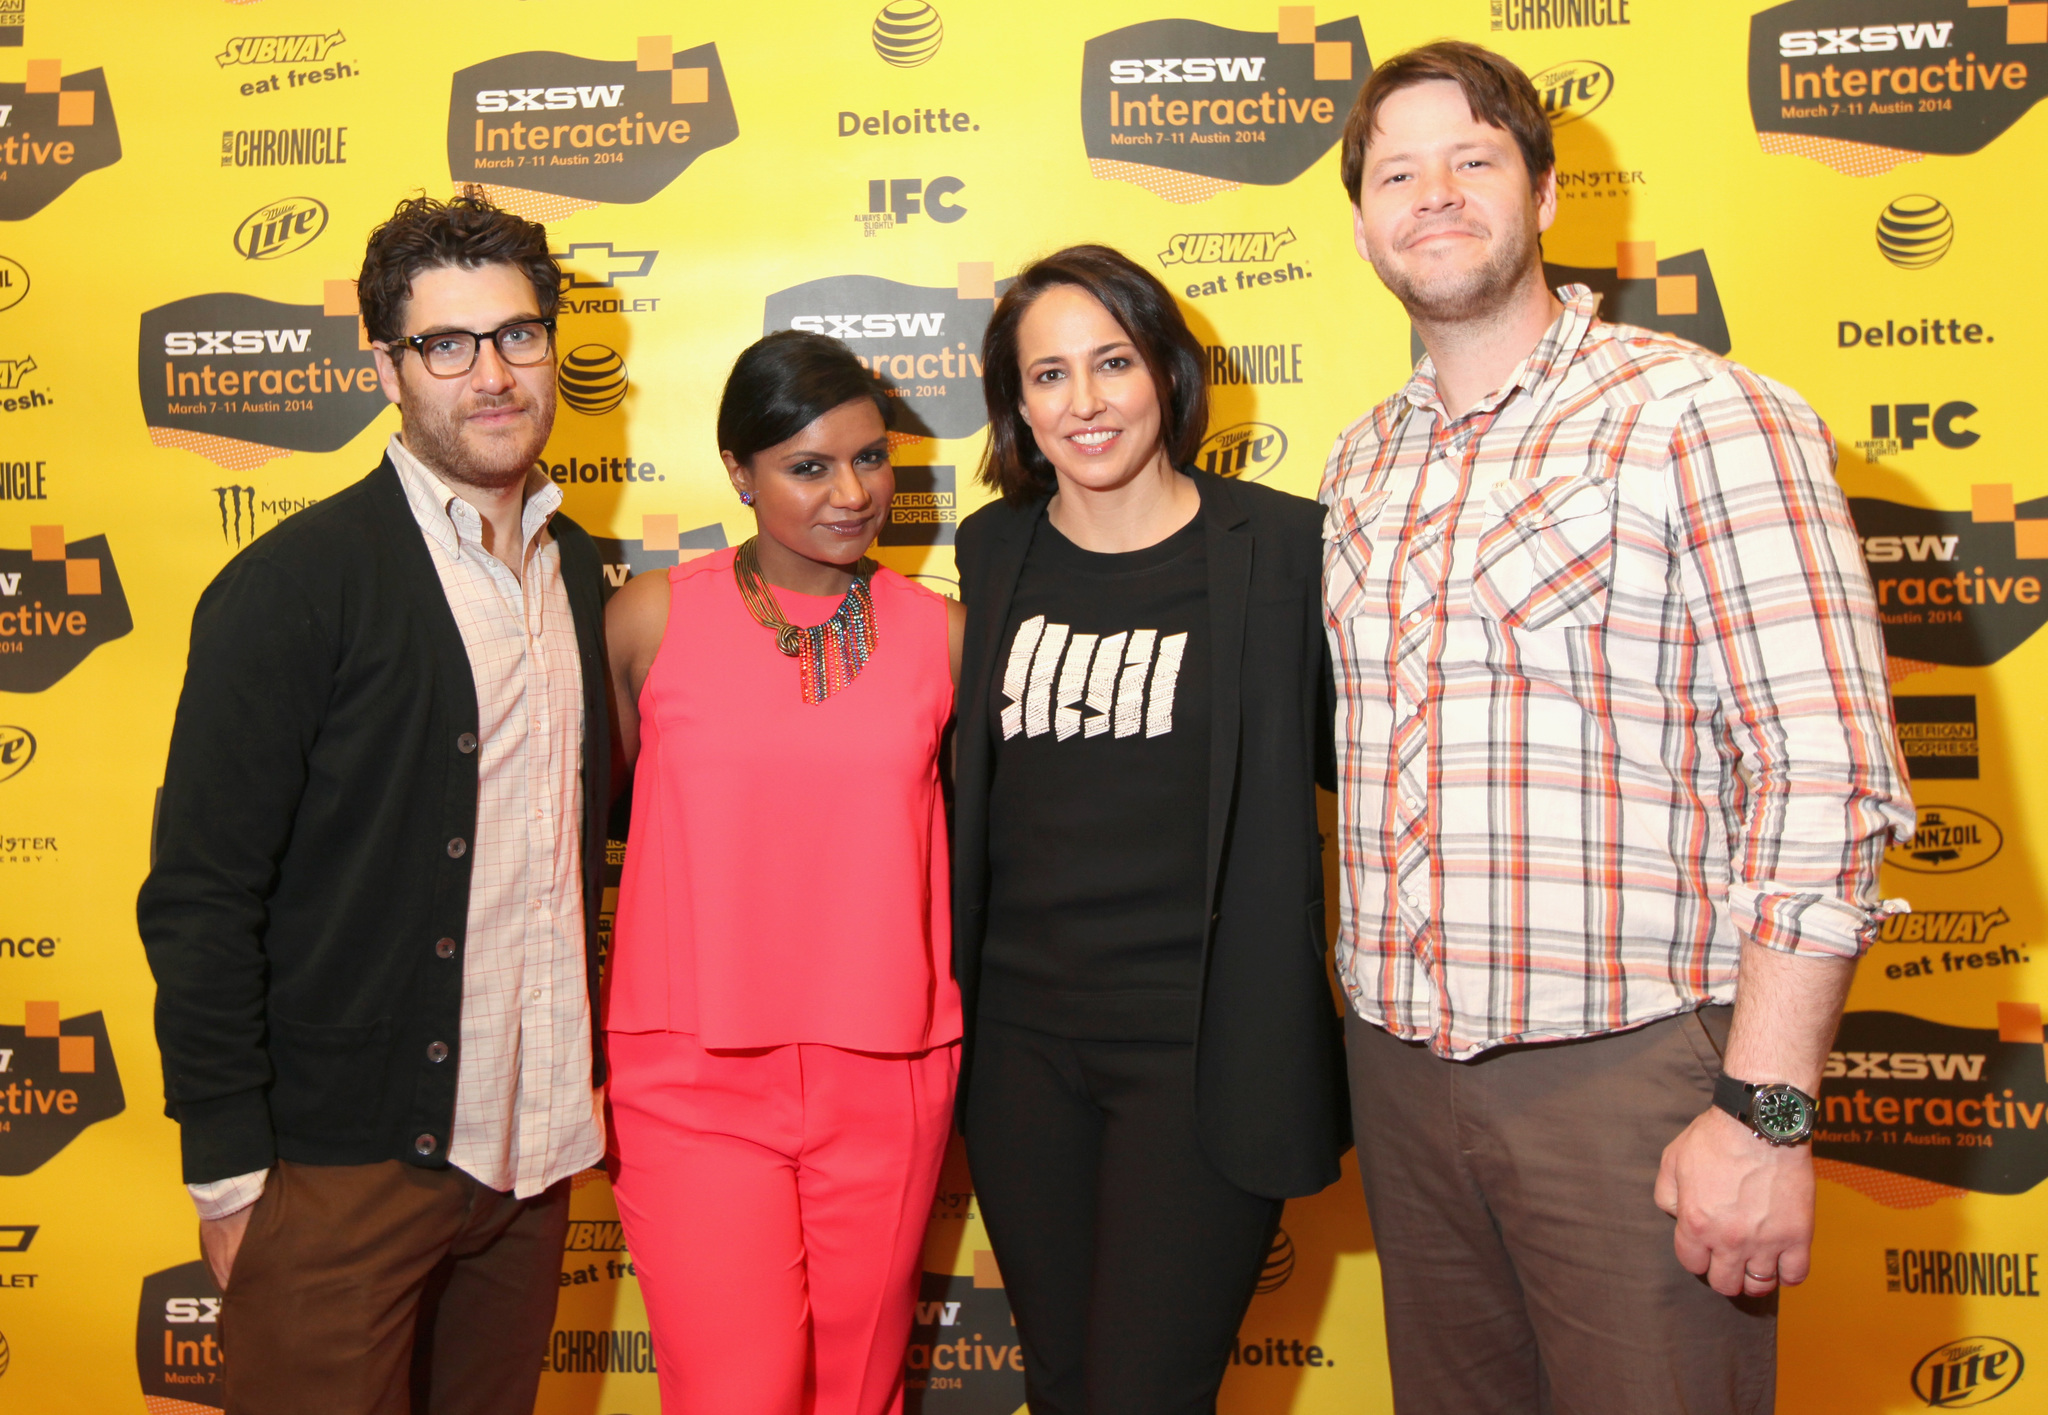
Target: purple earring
[746,498]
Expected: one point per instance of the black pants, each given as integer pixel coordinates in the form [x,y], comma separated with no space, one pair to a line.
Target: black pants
[1128,1259]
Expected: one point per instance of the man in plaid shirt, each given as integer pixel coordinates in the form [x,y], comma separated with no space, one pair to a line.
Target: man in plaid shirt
[1613,735]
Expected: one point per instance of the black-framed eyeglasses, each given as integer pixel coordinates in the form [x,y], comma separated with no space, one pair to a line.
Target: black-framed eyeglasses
[450,353]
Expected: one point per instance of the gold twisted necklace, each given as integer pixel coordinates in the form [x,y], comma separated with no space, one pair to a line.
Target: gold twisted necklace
[828,655]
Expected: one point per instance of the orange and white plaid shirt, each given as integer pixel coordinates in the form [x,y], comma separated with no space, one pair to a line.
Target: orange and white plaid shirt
[1611,693]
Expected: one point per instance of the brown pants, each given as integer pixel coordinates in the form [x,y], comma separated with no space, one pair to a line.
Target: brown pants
[383,1289]
[1526,1268]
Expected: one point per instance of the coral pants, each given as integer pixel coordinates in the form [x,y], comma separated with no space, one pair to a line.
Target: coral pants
[775,1201]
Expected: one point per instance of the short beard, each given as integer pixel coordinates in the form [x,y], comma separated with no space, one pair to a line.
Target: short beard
[435,435]
[1472,297]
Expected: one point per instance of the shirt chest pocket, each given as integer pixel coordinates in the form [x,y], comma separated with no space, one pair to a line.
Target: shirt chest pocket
[1350,526]
[1546,553]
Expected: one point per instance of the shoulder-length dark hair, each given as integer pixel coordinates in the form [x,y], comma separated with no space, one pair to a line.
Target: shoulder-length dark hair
[784,382]
[1011,463]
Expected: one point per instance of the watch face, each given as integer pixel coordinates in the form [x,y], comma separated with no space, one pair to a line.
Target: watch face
[1781,1113]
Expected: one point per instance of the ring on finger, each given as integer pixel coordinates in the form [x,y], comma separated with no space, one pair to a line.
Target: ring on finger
[1759,1277]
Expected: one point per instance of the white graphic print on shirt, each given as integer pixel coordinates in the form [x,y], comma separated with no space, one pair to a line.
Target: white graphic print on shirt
[1098,688]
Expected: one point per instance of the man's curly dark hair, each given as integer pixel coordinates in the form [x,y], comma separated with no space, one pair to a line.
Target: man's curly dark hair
[467,232]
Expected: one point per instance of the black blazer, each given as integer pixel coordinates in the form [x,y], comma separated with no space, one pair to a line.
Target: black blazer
[303,882]
[1270,1101]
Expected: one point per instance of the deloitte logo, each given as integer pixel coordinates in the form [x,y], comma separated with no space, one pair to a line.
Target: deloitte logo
[592,379]
[908,35]
[1915,231]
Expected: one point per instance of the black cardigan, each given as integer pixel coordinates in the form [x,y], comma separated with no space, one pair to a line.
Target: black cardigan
[1270,1100]
[305,909]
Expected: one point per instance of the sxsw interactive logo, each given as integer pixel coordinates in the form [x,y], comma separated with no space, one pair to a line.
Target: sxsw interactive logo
[57,1076]
[963,1357]
[1961,588]
[241,380]
[893,201]
[280,228]
[1971,1371]
[661,545]
[541,125]
[1938,76]
[1187,109]
[925,341]
[178,1356]
[1573,89]
[59,600]
[54,128]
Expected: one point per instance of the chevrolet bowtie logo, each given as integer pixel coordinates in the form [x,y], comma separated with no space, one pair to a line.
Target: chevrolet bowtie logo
[592,258]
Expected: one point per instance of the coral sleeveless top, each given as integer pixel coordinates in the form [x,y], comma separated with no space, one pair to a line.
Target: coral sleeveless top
[786,875]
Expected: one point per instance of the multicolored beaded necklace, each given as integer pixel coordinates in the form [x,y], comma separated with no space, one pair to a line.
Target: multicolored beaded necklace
[829,655]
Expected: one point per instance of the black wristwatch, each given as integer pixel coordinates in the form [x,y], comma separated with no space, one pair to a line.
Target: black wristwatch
[1778,1113]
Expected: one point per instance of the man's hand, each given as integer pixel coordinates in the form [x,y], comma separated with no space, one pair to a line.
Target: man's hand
[220,1239]
[1744,1206]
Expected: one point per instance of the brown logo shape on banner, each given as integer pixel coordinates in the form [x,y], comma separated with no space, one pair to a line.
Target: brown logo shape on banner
[178,1355]
[56,1078]
[58,128]
[594,130]
[963,1357]
[1188,109]
[1965,1107]
[59,600]
[1863,87]
[1962,588]
[925,509]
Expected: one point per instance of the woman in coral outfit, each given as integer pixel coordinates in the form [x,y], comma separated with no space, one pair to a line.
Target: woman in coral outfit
[781,1017]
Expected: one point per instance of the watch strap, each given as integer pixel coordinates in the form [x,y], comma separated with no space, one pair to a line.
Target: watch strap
[1732,1096]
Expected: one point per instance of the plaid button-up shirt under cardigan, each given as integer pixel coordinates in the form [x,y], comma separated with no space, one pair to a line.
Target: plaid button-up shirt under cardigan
[1611,693]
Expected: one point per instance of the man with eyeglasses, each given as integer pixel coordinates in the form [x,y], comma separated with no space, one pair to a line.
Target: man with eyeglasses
[372,909]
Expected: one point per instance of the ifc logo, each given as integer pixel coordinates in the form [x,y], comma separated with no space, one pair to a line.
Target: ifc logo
[593,379]
[907,35]
[1915,231]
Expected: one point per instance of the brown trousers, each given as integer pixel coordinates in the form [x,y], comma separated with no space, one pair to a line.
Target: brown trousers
[384,1289]
[1526,1268]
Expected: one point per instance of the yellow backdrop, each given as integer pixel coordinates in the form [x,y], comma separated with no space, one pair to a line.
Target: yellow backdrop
[1843,193]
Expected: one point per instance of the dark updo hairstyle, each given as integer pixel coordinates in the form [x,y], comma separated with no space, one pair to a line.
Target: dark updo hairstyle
[783,383]
[1012,463]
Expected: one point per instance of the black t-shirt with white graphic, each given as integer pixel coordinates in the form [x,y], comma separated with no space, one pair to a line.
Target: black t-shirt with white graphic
[1098,814]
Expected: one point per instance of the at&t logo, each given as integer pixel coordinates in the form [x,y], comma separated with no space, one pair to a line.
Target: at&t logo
[1972,1371]
[909,34]
[1914,232]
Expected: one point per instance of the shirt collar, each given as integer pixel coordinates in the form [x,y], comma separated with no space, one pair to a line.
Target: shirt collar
[447,519]
[1552,355]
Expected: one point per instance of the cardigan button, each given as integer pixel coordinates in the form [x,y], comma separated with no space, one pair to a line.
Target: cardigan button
[457,848]
[437,1051]
[466,743]
[425,1145]
[444,948]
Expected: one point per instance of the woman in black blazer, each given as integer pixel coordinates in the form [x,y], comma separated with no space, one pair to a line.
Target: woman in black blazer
[1153,1060]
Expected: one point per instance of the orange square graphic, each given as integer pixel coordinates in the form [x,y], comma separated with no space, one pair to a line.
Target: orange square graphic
[655,52]
[74,1054]
[1635,260]
[977,280]
[44,75]
[1333,60]
[1297,24]
[2030,540]
[2019,1021]
[986,1273]
[46,542]
[658,533]
[81,577]
[1678,294]
[1991,503]
[74,108]
[689,86]
[2026,24]
[41,1020]
[339,297]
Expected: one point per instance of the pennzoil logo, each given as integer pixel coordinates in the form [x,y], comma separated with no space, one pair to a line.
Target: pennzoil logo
[59,600]
[1972,1370]
[1942,76]
[593,130]
[240,380]
[923,341]
[1947,840]
[54,128]
[280,228]
[1573,89]
[1187,109]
